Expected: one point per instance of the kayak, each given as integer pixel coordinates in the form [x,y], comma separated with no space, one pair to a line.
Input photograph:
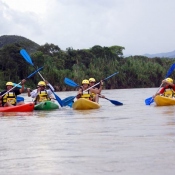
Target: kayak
[47,105]
[164,101]
[28,107]
[83,104]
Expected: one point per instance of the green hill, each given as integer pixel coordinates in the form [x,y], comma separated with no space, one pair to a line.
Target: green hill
[21,41]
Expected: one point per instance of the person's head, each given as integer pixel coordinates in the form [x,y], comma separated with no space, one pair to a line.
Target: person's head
[42,85]
[91,81]
[170,80]
[85,83]
[9,85]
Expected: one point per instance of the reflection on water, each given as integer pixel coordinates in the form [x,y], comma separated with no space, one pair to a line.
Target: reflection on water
[15,114]
[130,139]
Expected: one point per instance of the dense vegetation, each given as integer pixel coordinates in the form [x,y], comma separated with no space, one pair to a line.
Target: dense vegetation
[98,62]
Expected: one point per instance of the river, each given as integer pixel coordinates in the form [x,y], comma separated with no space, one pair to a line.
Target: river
[133,139]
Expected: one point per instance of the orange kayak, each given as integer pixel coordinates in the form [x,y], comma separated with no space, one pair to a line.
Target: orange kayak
[28,107]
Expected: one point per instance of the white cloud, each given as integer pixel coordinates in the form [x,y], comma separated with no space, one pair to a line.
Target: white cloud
[141,26]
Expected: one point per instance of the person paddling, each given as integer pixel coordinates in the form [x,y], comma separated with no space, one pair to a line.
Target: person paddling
[10,97]
[82,93]
[168,89]
[92,81]
[41,94]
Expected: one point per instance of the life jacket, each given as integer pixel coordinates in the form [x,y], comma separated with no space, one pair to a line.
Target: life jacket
[10,97]
[42,96]
[86,95]
[169,92]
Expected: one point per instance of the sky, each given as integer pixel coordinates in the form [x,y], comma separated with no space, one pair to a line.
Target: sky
[140,26]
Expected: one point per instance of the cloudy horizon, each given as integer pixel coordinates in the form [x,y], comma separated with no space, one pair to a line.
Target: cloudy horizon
[138,25]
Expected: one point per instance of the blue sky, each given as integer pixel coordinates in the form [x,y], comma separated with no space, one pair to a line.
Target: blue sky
[141,26]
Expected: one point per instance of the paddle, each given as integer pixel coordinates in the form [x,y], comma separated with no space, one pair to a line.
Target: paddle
[150,100]
[70,82]
[73,84]
[117,103]
[25,79]
[18,86]
[29,60]
[18,98]
[69,100]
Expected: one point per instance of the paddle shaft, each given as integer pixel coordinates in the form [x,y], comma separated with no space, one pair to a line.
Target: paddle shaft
[20,82]
[99,82]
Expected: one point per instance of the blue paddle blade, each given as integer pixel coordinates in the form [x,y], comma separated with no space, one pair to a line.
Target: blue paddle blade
[67,101]
[17,85]
[70,104]
[26,56]
[58,99]
[117,103]
[149,100]
[19,99]
[70,82]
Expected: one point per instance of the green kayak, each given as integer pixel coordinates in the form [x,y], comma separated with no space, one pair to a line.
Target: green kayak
[47,105]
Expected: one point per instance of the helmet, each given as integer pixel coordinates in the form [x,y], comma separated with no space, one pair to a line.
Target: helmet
[170,80]
[9,84]
[92,80]
[41,83]
[85,82]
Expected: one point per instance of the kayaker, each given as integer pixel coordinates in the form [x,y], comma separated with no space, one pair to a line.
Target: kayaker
[41,93]
[92,82]
[9,97]
[168,88]
[89,93]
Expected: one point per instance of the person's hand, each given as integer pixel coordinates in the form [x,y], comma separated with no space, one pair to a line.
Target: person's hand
[79,94]
[46,82]
[23,81]
[39,89]
[28,89]
[101,83]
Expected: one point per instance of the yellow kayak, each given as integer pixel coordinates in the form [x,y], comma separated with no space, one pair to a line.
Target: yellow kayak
[83,104]
[164,101]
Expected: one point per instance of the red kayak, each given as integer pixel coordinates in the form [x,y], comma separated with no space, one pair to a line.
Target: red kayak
[28,107]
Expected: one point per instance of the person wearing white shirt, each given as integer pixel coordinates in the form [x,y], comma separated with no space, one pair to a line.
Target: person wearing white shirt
[41,93]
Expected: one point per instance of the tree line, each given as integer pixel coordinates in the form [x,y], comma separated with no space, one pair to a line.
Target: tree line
[98,62]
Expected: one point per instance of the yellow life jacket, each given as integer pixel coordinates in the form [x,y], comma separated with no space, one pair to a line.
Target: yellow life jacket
[169,92]
[43,96]
[87,95]
[10,97]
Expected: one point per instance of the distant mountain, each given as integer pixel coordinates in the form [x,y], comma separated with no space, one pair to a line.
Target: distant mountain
[166,55]
[22,41]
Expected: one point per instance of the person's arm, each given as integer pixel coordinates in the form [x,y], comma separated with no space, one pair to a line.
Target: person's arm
[80,92]
[97,91]
[1,94]
[22,83]
[50,94]
[101,87]
[28,92]
[167,82]
[161,91]
[34,93]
